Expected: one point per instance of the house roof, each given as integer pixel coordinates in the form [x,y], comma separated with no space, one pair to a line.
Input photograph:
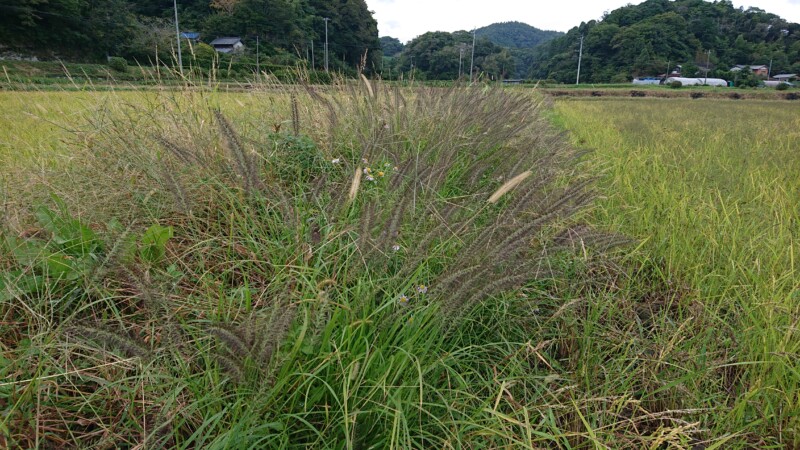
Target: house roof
[784,76]
[226,41]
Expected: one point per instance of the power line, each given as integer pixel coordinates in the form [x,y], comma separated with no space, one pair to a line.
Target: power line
[38,11]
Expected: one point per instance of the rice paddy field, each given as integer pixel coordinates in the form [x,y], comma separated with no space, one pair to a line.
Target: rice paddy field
[710,189]
[367,266]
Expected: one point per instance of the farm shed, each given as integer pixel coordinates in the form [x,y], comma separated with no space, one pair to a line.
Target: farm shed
[784,77]
[647,80]
[190,35]
[776,83]
[228,44]
[698,81]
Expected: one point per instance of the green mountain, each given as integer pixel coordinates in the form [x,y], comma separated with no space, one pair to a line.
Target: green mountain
[648,38]
[516,34]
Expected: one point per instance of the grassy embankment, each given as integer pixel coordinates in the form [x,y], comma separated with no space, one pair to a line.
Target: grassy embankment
[711,189]
[202,284]
[58,76]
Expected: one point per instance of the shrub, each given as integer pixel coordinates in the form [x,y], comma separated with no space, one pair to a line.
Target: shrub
[118,64]
[621,78]
[675,84]
[782,87]
[205,56]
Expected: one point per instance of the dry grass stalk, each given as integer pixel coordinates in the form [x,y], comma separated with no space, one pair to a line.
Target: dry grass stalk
[355,184]
[295,115]
[509,185]
[368,85]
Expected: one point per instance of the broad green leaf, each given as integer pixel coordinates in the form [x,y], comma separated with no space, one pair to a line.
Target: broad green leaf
[26,252]
[58,265]
[154,242]
[17,283]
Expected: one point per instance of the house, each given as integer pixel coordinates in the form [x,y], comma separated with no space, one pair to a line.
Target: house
[760,71]
[191,36]
[228,44]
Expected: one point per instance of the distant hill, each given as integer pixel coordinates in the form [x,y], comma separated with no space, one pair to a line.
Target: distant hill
[520,38]
[647,38]
[516,34]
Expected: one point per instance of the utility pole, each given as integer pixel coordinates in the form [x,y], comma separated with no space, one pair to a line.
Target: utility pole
[313,63]
[178,35]
[580,57]
[472,59]
[412,67]
[326,42]
[769,71]
[460,57]
[258,65]
[708,66]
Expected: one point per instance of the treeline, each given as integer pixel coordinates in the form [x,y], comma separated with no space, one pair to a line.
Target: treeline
[141,30]
[646,39]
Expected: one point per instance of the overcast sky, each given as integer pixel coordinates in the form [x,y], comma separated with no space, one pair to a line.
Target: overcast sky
[407,19]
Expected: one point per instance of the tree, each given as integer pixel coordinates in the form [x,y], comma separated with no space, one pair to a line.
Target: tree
[226,6]
[55,24]
[353,32]
[150,40]
[498,65]
[391,46]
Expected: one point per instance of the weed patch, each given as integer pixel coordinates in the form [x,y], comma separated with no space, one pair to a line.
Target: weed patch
[362,264]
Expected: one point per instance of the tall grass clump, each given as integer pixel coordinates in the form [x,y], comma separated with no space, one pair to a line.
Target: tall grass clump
[354,266]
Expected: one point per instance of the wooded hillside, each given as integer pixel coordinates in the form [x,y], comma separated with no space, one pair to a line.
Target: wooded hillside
[90,30]
[647,38]
[516,34]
